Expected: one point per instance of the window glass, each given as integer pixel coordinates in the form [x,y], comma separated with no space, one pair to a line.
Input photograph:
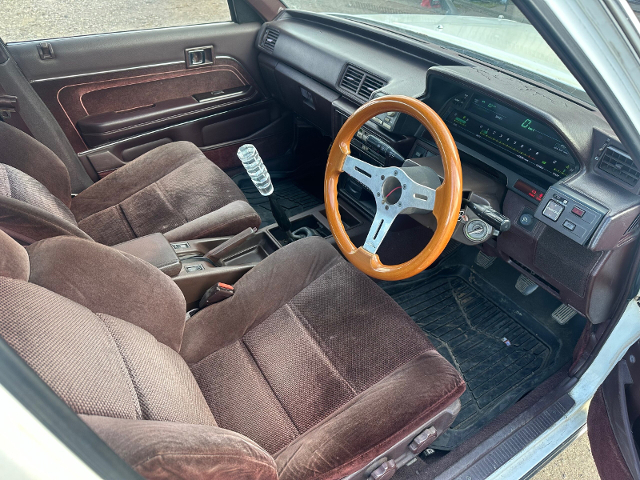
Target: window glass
[43,19]
[494,31]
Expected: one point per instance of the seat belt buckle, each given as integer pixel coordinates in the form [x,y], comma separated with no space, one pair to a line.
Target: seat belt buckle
[216,294]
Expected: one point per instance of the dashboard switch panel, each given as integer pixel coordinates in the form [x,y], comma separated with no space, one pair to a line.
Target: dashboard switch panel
[570,213]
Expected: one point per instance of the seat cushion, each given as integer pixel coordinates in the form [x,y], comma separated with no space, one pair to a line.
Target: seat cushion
[18,185]
[160,191]
[326,371]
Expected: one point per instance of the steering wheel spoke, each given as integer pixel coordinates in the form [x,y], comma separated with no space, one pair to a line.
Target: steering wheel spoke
[367,174]
[420,197]
[379,228]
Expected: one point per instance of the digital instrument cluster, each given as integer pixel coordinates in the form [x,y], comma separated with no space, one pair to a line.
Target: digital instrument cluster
[521,137]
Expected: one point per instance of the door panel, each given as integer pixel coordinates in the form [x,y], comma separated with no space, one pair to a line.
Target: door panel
[75,100]
[118,95]
[613,423]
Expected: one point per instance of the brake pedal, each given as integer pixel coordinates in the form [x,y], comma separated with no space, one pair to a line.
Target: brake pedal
[525,285]
[563,314]
[483,260]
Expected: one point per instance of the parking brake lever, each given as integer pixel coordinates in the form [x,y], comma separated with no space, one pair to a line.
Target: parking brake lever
[489,215]
[218,253]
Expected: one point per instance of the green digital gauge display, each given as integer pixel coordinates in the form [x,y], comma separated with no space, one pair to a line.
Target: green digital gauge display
[527,139]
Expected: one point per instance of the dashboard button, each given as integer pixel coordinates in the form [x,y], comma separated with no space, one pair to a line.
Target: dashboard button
[526,219]
[569,225]
[577,211]
[553,210]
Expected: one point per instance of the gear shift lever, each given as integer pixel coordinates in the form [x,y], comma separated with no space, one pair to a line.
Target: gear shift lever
[258,173]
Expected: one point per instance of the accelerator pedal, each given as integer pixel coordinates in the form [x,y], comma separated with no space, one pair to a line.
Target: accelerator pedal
[525,285]
[483,260]
[563,314]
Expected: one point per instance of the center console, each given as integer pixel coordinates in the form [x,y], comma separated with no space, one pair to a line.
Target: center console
[187,263]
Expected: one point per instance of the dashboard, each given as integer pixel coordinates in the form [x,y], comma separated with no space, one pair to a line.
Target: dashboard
[548,162]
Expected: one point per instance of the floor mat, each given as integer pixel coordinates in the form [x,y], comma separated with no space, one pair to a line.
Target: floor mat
[501,351]
[295,196]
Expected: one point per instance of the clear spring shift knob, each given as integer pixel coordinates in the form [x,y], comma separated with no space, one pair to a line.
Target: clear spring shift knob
[258,173]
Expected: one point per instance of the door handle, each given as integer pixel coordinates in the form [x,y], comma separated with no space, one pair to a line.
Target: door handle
[199,56]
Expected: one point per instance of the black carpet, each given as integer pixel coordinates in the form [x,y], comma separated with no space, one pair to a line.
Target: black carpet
[501,351]
[295,196]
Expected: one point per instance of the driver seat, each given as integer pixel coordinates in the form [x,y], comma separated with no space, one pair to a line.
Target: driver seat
[310,371]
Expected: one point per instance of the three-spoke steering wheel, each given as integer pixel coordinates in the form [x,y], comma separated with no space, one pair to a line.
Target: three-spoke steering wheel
[395,192]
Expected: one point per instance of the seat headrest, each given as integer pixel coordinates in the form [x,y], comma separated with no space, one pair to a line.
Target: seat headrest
[14,260]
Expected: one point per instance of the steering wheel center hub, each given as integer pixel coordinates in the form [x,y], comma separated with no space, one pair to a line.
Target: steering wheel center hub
[391,190]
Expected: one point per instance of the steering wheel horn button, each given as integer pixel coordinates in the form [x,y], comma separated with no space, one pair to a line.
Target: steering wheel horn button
[396,193]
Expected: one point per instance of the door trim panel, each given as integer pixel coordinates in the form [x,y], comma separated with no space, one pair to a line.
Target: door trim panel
[71,102]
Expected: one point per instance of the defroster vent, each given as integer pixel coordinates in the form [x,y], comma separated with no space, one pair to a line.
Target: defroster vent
[619,165]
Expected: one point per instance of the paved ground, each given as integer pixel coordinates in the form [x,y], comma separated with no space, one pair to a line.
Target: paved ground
[575,462]
[36,19]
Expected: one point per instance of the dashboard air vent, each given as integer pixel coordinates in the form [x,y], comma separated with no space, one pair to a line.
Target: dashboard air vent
[360,83]
[619,165]
[369,85]
[352,79]
[269,39]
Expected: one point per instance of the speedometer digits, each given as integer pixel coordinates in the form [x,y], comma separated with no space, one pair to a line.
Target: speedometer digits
[529,140]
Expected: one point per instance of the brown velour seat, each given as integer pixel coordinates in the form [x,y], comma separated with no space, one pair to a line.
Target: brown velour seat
[310,371]
[173,189]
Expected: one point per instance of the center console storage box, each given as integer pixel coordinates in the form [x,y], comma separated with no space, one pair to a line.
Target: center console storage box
[156,250]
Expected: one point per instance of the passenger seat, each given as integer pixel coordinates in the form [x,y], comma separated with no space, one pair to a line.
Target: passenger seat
[173,189]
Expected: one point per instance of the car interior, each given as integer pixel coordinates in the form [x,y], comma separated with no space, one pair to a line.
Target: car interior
[428,244]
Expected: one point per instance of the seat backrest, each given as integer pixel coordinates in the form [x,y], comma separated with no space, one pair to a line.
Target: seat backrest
[135,392]
[39,119]
[29,211]
[21,151]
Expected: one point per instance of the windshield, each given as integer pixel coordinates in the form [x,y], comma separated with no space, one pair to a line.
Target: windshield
[494,31]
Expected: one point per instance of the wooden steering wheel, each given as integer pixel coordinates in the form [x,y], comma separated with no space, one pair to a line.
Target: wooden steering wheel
[443,201]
